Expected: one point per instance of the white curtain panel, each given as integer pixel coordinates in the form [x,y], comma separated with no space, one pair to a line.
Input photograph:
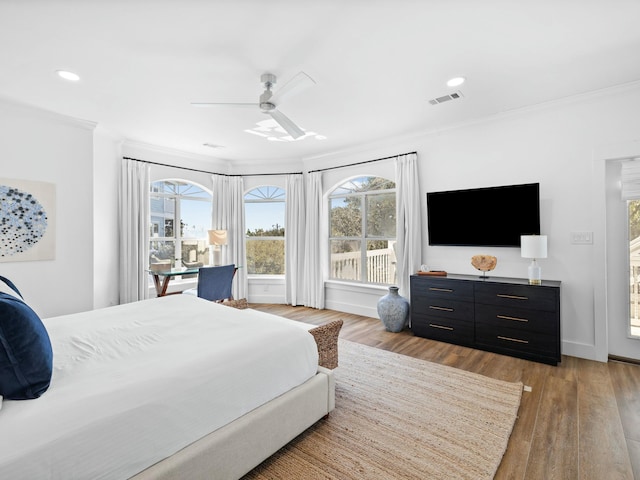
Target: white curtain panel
[134,231]
[313,265]
[630,179]
[409,224]
[294,239]
[228,214]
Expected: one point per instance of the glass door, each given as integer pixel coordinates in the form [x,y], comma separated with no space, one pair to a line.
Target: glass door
[633,216]
[622,268]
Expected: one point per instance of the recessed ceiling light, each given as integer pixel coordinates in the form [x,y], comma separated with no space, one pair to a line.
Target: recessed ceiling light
[74,77]
[455,81]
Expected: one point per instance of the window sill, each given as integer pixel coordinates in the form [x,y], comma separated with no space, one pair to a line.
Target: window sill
[355,287]
[266,278]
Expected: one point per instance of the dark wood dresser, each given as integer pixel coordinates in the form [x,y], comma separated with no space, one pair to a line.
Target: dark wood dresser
[502,315]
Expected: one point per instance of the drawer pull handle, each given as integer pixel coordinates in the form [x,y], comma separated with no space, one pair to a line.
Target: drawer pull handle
[446,309]
[442,327]
[517,340]
[448,290]
[516,319]
[513,297]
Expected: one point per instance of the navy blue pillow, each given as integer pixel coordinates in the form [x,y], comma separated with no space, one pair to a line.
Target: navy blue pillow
[26,357]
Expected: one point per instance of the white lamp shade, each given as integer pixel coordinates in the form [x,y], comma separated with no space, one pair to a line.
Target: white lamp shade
[217,237]
[533,246]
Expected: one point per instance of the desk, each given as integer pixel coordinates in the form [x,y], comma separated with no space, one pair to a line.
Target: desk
[161,285]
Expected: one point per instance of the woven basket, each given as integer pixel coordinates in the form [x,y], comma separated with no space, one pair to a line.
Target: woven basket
[240,304]
[327,340]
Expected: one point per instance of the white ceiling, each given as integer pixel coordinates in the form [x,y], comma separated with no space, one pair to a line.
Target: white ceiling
[376,64]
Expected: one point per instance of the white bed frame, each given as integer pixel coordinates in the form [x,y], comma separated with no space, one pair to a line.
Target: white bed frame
[235,449]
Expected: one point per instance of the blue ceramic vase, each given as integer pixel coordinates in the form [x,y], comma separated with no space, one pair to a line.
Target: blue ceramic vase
[393,310]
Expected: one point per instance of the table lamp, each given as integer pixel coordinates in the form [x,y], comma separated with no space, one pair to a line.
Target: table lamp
[217,238]
[534,246]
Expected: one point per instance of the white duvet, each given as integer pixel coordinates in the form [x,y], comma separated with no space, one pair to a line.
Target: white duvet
[135,383]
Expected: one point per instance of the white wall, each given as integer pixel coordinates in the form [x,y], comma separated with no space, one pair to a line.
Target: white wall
[37,145]
[106,174]
[554,145]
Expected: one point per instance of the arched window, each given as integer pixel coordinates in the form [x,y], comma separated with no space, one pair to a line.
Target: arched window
[180,218]
[264,220]
[362,232]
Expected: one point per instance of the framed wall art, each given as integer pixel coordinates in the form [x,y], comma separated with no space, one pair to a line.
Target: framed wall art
[27,220]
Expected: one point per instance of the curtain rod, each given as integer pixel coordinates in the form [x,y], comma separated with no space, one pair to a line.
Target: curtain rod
[212,173]
[360,163]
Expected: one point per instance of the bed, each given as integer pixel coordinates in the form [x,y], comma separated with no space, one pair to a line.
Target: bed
[167,388]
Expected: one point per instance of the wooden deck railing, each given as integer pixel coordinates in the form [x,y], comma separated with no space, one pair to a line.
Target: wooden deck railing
[380,267]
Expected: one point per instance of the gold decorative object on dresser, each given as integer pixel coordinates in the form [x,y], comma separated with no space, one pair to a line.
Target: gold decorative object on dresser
[502,315]
[484,263]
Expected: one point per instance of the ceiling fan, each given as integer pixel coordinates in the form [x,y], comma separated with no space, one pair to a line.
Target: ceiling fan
[269,101]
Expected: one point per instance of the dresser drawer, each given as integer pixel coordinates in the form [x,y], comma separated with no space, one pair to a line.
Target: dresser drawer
[515,340]
[441,287]
[526,319]
[521,296]
[442,307]
[502,315]
[444,329]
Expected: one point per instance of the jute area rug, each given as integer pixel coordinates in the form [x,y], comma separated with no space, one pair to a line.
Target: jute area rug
[398,417]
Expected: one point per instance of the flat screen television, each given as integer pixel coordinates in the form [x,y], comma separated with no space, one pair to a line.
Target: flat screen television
[486,217]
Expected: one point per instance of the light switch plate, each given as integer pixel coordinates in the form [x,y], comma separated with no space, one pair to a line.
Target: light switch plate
[581,238]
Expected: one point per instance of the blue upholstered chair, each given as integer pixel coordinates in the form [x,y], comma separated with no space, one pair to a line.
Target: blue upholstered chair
[214,283]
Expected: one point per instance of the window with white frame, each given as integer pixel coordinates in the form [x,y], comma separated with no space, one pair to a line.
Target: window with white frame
[180,218]
[362,231]
[264,220]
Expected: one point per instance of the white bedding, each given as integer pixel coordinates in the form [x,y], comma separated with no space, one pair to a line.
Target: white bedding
[133,384]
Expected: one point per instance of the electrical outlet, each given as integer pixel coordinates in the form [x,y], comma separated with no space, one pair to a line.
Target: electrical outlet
[581,238]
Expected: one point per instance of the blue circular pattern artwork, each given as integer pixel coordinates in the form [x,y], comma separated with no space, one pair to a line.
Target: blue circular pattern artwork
[23,221]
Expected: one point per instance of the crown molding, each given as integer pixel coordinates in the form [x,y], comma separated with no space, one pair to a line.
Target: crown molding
[49,114]
[405,141]
[201,161]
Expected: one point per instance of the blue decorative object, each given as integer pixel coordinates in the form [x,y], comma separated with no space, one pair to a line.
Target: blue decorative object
[393,310]
[26,357]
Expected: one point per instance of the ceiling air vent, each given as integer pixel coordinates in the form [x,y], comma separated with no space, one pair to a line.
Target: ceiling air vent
[446,98]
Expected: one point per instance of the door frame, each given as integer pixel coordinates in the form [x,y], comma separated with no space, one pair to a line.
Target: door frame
[603,158]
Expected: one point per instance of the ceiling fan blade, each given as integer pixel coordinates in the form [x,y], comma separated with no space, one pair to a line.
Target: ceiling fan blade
[297,84]
[214,104]
[284,121]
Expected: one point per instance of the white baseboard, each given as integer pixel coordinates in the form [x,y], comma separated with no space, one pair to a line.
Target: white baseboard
[351,308]
[265,298]
[581,350]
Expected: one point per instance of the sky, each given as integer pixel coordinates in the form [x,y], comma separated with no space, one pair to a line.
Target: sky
[197,216]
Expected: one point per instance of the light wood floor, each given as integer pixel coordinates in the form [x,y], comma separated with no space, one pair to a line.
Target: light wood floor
[581,419]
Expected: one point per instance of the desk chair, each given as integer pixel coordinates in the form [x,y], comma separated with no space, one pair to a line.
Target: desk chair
[214,283]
